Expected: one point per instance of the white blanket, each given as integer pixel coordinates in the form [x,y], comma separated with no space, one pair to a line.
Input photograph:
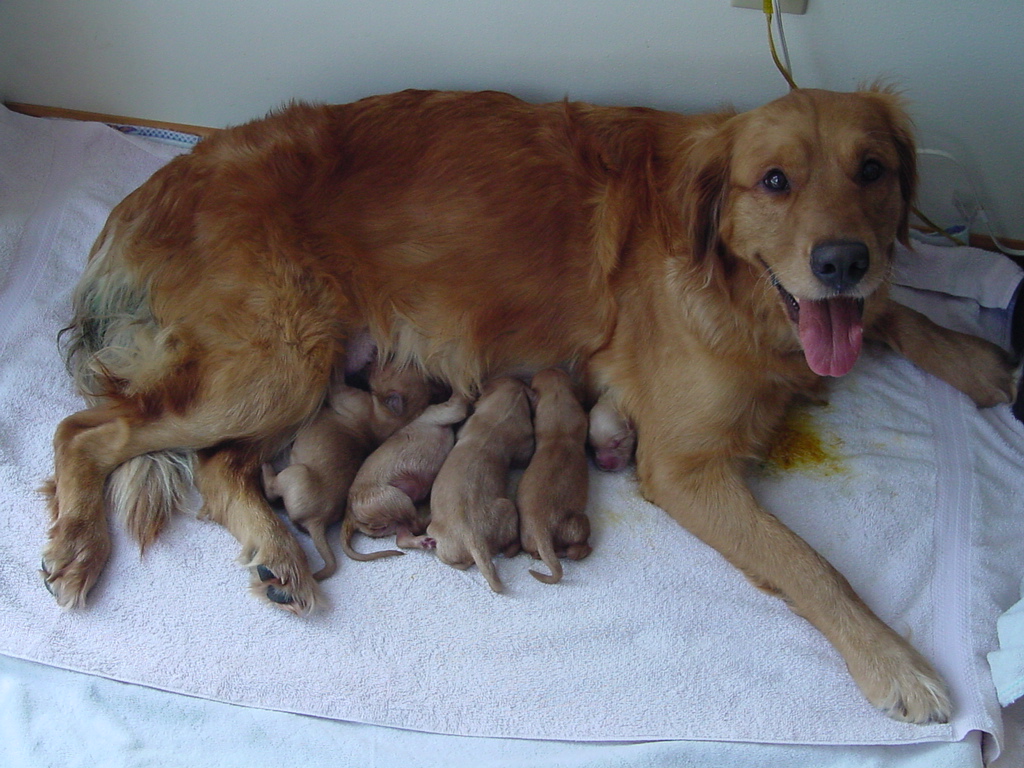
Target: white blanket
[900,482]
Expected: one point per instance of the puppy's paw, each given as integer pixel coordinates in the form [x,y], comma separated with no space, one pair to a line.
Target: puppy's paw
[73,560]
[897,680]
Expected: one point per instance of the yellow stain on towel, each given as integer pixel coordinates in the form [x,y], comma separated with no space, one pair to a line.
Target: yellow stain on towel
[802,445]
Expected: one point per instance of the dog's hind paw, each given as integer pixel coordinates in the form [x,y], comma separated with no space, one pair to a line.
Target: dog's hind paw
[70,568]
[292,593]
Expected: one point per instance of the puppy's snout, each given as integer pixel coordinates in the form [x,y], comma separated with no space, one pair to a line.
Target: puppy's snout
[840,264]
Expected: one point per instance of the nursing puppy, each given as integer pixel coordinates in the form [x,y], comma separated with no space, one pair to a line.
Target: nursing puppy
[610,435]
[328,452]
[702,269]
[552,493]
[397,476]
[471,516]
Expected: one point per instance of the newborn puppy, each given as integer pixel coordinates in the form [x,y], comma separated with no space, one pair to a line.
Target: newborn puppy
[383,497]
[404,390]
[471,517]
[552,495]
[611,435]
[327,452]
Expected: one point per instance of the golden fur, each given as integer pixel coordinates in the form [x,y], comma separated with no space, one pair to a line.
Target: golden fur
[658,256]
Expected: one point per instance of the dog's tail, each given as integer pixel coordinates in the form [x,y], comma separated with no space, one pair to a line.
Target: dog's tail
[145,491]
[546,550]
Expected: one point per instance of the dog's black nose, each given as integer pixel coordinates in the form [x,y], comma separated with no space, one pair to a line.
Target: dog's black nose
[840,264]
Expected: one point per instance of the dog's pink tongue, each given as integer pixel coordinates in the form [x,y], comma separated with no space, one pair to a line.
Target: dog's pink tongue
[831,331]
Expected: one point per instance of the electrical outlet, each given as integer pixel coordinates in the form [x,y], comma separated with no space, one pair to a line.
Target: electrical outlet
[798,7]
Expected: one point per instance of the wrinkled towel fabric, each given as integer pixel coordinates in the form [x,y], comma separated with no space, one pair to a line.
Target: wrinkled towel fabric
[907,488]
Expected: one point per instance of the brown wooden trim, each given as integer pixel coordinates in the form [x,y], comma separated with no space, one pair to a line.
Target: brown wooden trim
[35,110]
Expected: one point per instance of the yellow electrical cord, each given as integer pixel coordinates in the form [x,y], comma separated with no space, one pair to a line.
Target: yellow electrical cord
[768,11]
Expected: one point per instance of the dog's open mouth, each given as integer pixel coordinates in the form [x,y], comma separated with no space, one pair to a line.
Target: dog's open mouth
[831,331]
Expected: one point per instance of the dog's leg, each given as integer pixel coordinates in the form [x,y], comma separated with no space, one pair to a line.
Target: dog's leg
[710,499]
[228,479]
[976,367]
[87,447]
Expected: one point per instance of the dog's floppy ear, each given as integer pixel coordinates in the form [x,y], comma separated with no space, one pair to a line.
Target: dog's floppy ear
[703,190]
[902,134]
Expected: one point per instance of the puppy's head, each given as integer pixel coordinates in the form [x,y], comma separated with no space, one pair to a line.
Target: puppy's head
[812,190]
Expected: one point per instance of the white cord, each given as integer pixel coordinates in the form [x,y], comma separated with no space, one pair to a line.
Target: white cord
[782,40]
[981,212]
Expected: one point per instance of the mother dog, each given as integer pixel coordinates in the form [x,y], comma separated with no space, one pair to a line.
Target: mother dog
[700,270]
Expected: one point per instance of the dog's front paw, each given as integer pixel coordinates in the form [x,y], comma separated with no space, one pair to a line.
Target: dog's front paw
[979,369]
[989,378]
[897,680]
[73,560]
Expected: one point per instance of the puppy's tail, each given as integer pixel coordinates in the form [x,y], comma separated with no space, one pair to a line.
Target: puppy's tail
[485,563]
[348,530]
[318,532]
[145,491]
[546,550]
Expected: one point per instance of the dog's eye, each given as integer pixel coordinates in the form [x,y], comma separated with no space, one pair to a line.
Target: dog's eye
[775,181]
[871,170]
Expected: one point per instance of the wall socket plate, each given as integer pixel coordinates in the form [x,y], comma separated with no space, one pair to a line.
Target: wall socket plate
[798,7]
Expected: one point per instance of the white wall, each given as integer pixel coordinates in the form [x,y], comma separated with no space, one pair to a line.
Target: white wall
[215,62]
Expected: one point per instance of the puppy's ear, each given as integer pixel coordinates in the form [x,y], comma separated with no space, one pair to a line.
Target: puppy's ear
[703,191]
[901,130]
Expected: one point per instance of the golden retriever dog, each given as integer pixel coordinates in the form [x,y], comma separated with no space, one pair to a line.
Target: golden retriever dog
[703,269]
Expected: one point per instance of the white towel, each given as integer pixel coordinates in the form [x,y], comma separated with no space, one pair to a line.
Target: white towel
[909,491]
[1007,661]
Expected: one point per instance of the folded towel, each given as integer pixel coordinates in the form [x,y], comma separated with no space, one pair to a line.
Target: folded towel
[967,289]
[1007,661]
[900,482]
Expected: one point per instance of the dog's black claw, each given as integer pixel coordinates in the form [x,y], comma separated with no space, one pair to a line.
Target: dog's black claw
[276,595]
[265,573]
[45,573]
